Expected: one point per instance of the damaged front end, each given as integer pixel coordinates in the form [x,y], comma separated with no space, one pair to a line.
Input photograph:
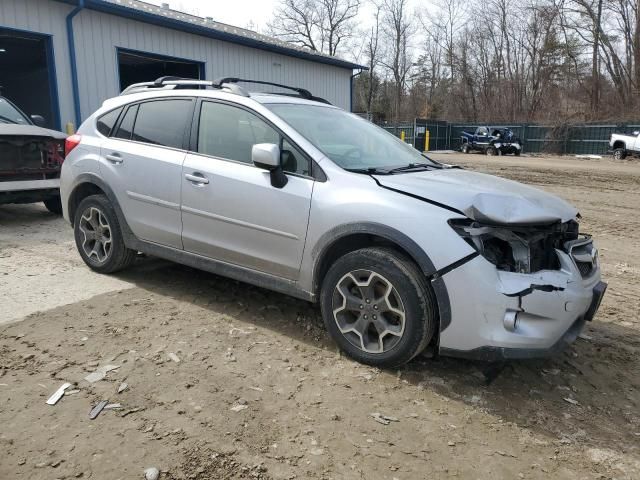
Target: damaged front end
[535,286]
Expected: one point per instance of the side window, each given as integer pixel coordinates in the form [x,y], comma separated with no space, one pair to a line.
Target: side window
[162,122]
[126,125]
[230,132]
[106,122]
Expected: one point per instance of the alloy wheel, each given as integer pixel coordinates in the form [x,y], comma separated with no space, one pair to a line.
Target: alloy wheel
[368,311]
[96,240]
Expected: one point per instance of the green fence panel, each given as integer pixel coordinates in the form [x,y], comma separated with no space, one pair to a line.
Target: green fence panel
[584,139]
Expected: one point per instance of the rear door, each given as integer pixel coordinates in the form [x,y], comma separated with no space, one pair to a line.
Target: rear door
[230,210]
[142,162]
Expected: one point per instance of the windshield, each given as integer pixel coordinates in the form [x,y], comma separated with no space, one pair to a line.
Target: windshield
[350,141]
[10,114]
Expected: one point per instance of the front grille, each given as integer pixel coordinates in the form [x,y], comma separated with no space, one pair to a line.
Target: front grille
[585,268]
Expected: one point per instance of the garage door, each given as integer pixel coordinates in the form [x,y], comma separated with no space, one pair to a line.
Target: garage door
[27,74]
[136,67]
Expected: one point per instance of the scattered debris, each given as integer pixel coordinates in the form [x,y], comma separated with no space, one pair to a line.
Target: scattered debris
[451,444]
[317,451]
[383,419]
[123,386]
[132,410]
[53,399]
[238,408]
[95,411]
[151,473]
[571,401]
[584,336]
[257,389]
[174,357]
[72,392]
[100,373]
[113,406]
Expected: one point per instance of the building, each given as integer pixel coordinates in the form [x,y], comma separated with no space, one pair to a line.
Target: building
[62,58]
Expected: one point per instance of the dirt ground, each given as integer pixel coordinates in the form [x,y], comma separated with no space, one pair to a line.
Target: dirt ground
[260,392]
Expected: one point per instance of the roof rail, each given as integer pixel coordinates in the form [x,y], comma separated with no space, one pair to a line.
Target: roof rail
[302,92]
[226,83]
[173,83]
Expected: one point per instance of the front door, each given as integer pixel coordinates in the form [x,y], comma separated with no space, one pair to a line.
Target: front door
[142,160]
[230,210]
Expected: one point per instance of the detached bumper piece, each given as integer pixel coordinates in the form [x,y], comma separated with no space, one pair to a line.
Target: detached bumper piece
[598,294]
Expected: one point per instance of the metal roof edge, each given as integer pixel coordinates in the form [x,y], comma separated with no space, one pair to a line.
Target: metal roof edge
[146,17]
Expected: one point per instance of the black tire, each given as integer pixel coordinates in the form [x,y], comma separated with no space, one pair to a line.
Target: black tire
[619,154]
[517,153]
[491,151]
[407,283]
[119,256]
[53,204]
[464,148]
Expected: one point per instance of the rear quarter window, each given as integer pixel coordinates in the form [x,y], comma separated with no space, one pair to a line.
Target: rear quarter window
[106,122]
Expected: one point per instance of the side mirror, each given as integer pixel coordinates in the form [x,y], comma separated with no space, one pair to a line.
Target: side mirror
[267,157]
[38,120]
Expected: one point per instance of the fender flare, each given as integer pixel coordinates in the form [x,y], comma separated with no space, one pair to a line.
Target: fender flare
[94,179]
[416,253]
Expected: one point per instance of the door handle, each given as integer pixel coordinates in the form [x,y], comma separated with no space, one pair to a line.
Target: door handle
[197,178]
[115,158]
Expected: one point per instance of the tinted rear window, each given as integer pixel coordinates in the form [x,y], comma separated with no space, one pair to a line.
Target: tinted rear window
[106,122]
[162,122]
[126,125]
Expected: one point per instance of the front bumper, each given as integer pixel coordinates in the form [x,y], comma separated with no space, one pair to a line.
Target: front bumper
[498,315]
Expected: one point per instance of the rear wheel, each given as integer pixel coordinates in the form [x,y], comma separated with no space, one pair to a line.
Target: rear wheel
[619,154]
[53,204]
[517,153]
[465,148]
[99,237]
[377,307]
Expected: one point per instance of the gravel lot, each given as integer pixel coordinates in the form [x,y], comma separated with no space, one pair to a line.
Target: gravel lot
[260,392]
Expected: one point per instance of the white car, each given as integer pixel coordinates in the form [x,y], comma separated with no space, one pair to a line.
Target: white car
[292,194]
[625,144]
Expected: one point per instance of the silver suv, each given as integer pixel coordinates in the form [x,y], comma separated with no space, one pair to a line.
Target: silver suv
[289,193]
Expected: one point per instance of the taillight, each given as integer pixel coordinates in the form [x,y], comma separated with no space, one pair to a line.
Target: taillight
[70,143]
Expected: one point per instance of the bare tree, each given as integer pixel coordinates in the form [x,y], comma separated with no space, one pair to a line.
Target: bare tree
[319,25]
[397,29]
[372,51]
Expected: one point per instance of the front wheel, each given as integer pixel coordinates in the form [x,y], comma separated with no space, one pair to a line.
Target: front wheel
[377,306]
[99,237]
[465,148]
[492,151]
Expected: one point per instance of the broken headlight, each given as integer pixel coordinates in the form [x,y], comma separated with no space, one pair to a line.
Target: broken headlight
[521,249]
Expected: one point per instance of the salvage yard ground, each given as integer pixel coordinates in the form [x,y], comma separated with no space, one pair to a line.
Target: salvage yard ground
[260,392]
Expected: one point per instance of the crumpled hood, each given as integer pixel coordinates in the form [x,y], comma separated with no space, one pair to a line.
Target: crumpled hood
[482,197]
[14,130]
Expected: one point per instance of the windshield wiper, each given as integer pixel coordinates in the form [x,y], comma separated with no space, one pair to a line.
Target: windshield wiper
[368,171]
[412,167]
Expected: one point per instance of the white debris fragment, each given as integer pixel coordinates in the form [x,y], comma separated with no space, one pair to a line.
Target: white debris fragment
[112,406]
[383,419]
[585,337]
[100,373]
[571,401]
[238,408]
[174,357]
[123,386]
[151,473]
[53,399]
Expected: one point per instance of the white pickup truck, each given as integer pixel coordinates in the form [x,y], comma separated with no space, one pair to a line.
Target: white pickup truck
[624,144]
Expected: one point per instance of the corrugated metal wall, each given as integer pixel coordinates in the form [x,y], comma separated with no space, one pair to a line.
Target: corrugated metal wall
[97,35]
[46,17]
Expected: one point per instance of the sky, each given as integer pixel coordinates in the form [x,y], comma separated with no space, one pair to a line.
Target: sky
[240,13]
